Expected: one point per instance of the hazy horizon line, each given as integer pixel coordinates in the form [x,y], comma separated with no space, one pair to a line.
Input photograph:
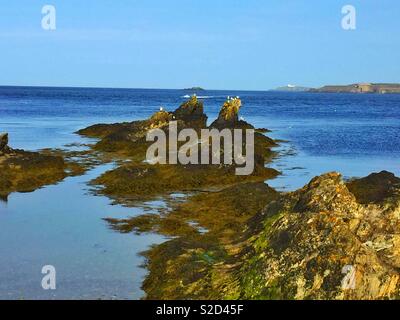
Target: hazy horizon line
[187,88]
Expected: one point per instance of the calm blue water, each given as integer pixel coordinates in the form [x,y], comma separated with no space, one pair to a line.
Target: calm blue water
[61,225]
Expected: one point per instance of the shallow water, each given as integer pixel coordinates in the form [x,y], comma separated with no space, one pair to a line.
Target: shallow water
[62,225]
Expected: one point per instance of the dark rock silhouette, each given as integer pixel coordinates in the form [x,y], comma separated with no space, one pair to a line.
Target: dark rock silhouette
[4,142]
[375,188]
[23,171]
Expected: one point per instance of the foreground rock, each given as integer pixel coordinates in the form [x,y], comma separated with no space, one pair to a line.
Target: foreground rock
[303,245]
[250,242]
[22,171]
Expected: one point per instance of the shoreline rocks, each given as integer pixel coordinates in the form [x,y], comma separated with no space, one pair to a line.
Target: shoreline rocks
[4,143]
[251,242]
[138,179]
[303,245]
[23,171]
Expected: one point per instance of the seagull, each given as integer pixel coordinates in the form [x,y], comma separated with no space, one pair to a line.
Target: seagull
[229,98]
[161,109]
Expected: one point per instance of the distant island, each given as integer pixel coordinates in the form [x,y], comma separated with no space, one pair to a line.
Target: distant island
[194,89]
[291,88]
[380,88]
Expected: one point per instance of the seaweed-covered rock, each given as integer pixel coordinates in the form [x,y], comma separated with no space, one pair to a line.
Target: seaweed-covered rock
[129,138]
[375,188]
[191,113]
[229,116]
[160,119]
[320,243]
[194,262]
[4,142]
[23,171]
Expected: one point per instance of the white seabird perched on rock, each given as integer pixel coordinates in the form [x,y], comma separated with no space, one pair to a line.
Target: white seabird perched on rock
[161,109]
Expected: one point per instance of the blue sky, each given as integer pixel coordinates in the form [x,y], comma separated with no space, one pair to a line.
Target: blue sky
[216,44]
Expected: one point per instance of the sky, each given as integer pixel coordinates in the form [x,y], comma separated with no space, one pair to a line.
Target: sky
[215,44]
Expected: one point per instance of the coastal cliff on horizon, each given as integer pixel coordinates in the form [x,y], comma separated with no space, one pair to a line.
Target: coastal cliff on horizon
[380,88]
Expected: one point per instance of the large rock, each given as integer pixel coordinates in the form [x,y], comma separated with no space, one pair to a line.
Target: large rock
[229,116]
[191,113]
[321,243]
[3,142]
[376,188]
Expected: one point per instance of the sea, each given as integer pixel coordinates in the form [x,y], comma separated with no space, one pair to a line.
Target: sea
[62,225]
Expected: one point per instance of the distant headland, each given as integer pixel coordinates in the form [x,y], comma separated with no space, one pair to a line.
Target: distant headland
[380,88]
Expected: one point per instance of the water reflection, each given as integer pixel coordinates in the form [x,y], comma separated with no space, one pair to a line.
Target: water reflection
[62,225]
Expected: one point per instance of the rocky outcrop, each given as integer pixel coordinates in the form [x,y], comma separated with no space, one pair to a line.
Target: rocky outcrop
[229,113]
[191,113]
[160,119]
[4,143]
[321,243]
[376,188]
[129,138]
[317,243]
[229,116]
[329,240]
[22,171]
[138,178]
